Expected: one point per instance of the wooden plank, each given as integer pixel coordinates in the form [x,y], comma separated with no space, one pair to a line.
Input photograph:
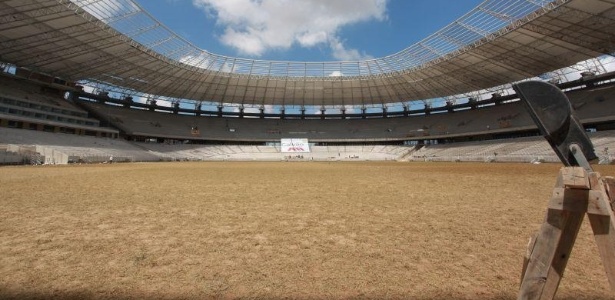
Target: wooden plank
[550,254]
[562,254]
[595,180]
[528,252]
[604,234]
[609,185]
[598,203]
[602,220]
[575,178]
[569,199]
[550,250]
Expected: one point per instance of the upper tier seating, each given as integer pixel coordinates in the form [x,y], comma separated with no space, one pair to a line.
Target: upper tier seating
[592,105]
[29,102]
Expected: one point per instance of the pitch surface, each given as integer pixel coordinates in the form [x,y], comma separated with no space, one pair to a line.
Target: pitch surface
[278,230]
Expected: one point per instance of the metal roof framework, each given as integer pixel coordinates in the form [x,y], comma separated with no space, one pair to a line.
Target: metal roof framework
[117,43]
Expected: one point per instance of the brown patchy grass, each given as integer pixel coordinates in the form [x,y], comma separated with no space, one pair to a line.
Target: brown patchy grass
[279,230]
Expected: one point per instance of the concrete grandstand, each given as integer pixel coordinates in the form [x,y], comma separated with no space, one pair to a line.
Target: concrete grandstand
[74,70]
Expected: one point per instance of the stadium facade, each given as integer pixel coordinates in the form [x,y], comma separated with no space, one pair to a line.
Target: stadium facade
[105,68]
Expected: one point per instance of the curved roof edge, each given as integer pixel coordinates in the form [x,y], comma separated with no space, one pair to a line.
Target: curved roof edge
[59,38]
[479,24]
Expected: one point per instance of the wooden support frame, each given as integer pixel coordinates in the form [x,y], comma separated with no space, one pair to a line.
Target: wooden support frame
[577,193]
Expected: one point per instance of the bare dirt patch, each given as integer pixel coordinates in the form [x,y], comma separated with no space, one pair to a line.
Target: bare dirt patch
[279,230]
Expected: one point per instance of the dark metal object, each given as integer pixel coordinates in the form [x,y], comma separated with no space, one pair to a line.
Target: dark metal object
[580,158]
[551,111]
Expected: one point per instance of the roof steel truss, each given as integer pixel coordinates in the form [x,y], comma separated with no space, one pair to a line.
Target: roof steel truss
[116,42]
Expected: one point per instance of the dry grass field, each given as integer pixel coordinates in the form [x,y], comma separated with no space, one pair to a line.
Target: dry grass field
[279,230]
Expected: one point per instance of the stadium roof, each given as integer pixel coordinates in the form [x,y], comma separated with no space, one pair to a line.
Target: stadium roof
[116,42]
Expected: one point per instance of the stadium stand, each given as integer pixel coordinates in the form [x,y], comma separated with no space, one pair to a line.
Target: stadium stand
[156,136]
[57,148]
[9,158]
[31,105]
[593,106]
[524,149]
[60,148]
[46,117]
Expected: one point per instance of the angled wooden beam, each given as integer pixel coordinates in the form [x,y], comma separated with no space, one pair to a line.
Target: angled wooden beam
[602,220]
[554,242]
[576,193]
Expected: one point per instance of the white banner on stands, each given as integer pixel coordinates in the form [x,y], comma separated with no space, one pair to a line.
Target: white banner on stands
[295,146]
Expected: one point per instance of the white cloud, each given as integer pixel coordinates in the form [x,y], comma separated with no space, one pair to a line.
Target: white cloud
[352,109]
[202,60]
[256,26]
[341,53]
[271,109]
[108,9]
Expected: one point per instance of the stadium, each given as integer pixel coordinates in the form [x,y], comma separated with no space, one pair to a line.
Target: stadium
[197,175]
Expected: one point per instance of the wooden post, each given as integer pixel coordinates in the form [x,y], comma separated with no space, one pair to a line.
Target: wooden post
[609,185]
[530,248]
[576,193]
[602,220]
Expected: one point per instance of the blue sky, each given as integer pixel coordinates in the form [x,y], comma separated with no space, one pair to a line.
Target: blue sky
[306,30]
[313,30]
